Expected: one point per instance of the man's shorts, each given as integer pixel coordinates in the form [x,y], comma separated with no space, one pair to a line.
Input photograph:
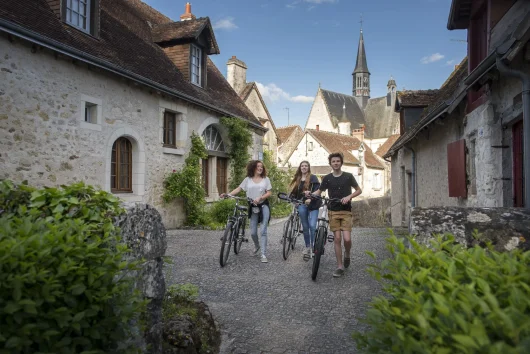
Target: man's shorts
[340,220]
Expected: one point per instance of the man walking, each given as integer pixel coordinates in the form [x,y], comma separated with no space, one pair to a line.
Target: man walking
[340,185]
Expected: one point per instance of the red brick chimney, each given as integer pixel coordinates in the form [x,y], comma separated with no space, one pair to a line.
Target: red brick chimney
[187,15]
[358,133]
[318,128]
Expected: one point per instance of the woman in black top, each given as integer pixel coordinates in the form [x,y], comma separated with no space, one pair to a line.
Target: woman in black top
[304,181]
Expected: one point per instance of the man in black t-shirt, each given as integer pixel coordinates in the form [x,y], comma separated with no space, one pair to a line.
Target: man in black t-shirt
[340,185]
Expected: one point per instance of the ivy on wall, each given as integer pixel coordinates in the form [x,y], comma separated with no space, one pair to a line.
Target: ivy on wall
[187,183]
[240,141]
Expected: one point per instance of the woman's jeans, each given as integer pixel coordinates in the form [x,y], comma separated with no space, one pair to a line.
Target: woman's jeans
[254,217]
[309,223]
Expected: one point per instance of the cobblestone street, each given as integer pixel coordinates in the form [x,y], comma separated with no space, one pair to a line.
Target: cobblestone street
[275,307]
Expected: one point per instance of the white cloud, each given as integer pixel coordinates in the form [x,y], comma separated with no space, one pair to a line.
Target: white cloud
[272,93]
[226,23]
[302,99]
[450,62]
[432,58]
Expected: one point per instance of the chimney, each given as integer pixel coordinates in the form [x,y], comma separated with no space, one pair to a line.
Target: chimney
[236,74]
[318,128]
[359,133]
[186,16]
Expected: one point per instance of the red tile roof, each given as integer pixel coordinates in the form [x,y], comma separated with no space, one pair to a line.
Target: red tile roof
[383,149]
[334,142]
[285,132]
[416,98]
[125,46]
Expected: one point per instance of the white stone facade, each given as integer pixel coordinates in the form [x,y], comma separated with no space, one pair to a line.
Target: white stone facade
[45,140]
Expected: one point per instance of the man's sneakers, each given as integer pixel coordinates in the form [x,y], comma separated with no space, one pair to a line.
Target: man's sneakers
[346,261]
[263,259]
[339,272]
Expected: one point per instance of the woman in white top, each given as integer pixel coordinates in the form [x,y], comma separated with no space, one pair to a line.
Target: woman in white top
[258,187]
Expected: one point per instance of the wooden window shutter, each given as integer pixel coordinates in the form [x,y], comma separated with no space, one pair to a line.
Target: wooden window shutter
[456,168]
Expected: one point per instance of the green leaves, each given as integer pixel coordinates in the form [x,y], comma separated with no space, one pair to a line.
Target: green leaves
[61,285]
[448,299]
[187,183]
[240,138]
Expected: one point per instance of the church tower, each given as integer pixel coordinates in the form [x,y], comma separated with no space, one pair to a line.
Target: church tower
[361,75]
[391,92]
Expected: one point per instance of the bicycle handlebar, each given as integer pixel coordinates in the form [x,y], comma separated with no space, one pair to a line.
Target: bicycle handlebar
[247,199]
[285,197]
[325,198]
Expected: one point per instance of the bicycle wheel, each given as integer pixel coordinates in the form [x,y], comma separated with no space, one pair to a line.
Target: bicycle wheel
[296,232]
[287,236]
[320,238]
[226,243]
[240,235]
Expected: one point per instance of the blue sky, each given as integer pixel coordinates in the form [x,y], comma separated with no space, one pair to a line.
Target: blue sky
[290,46]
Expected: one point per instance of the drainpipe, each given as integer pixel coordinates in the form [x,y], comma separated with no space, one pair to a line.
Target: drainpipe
[413,203]
[525,78]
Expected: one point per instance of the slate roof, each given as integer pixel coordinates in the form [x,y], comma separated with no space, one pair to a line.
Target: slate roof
[125,45]
[361,65]
[183,31]
[334,142]
[450,92]
[380,118]
[417,98]
[335,102]
[284,133]
[383,149]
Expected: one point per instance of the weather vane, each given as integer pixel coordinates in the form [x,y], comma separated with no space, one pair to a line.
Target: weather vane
[361,22]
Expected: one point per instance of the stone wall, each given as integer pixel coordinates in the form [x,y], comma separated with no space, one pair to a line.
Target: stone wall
[45,140]
[506,228]
[374,212]
[143,231]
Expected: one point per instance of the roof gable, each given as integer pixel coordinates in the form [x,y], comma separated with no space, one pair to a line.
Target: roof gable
[343,107]
[185,32]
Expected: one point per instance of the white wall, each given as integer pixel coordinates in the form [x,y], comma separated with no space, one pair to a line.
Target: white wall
[319,115]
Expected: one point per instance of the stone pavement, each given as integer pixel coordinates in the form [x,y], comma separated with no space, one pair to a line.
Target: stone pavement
[275,307]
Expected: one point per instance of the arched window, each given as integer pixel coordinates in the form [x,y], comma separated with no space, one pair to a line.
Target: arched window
[212,139]
[121,166]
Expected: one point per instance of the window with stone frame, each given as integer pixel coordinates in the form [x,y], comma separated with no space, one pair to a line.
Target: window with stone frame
[376,182]
[78,14]
[196,65]
[170,129]
[91,113]
[121,166]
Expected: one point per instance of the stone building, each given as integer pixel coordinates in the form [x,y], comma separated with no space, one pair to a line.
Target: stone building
[463,145]
[316,145]
[288,137]
[236,74]
[109,95]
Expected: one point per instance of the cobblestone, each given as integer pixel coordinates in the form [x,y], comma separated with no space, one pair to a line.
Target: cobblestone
[275,307]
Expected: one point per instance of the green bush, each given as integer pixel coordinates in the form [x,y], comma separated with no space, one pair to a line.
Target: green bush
[221,209]
[62,267]
[449,299]
[280,210]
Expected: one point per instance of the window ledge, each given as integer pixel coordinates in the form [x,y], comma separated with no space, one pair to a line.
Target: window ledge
[376,189]
[173,151]
[90,126]
[129,197]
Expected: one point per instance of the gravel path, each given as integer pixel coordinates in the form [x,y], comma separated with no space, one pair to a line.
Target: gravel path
[275,307]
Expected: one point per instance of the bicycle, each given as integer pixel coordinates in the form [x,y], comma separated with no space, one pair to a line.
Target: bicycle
[322,233]
[292,227]
[234,230]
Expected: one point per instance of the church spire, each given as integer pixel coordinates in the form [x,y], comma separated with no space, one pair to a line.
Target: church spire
[361,75]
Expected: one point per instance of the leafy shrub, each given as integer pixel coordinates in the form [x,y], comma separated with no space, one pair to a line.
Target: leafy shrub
[221,209]
[280,183]
[187,183]
[280,210]
[449,299]
[62,284]
[177,300]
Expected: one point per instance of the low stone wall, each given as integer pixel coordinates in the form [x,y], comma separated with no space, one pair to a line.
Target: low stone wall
[373,212]
[143,231]
[506,228]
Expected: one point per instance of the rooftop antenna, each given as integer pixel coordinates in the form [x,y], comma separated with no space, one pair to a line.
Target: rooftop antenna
[287,108]
[458,40]
[361,23]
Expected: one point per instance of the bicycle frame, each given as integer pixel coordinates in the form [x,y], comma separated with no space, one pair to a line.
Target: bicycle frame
[232,233]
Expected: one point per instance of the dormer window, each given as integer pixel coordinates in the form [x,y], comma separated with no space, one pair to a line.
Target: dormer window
[78,14]
[196,65]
